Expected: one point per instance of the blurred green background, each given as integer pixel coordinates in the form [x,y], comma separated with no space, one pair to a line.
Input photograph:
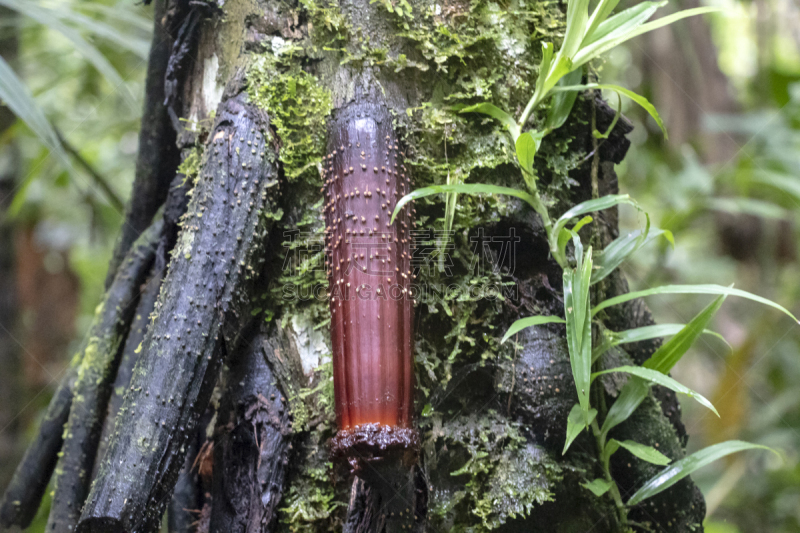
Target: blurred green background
[725,183]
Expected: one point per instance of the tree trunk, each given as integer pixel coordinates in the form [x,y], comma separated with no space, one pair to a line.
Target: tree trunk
[260,88]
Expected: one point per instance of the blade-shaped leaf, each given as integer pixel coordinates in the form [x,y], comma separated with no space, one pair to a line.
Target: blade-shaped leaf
[126,41]
[643,452]
[612,40]
[597,204]
[527,144]
[91,53]
[562,102]
[16,96]
[615,338]
[654,376]
[671,351]
[465,188]
[495,112]
[620,249]
[577,19]
[579,329]
[599,16]
[632,395]
[638,98]
[689,289]
[622,22]
[597,486]
[748,206]
[523,323]
[686,466]
[577,422]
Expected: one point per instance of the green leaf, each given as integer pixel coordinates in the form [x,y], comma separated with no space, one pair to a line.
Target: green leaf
[544,66]
[598,204]
[577,19]
[495,112]
[643,452]
[126,41]
[622,22]
[579,327]
[599,16]
[614,338]
[15,95]
[654,376]
[526,146]
[465,188]
[523,323]
[632,395]
[689,289]
[92,54]
[577,422]
[597,486]
[563,101]
[638,98]
[686,466]
[597,135]
[665,358]
[748,206]
[615,38]
[620,249]
[783,182]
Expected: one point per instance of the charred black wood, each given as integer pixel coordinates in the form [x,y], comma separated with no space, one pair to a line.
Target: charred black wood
[177,201]
[252,441]
[24,493]
[94,382]
[158,155]
[220,249]
[387,498]
[185,508]
[179,58]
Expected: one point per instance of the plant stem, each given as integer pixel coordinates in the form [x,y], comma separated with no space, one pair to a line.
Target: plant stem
[622,511]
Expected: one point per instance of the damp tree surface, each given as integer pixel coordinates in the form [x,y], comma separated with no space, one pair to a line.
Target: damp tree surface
[203,398]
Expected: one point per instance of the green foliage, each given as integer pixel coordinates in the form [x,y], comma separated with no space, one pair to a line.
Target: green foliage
[586,37]
[298,108]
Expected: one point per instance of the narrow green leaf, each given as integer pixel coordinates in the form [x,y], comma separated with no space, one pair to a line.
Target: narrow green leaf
[615,338]
[544,66]
[579,329]
[577,422]
[622,22]
[749,206]
[599,16]
[654,376]
[465,188]
[638,98]
[689,289]
[613,124]
[126,41]
[614,39]
[598,486]
[686,466]
[665,358]
[495,112]
[643,452]
[526,146]
[598,204]
[523,323]
[632,395]
[783,182]
[577,19]
[91,53]
[563,101]
[16,96]
[620,249]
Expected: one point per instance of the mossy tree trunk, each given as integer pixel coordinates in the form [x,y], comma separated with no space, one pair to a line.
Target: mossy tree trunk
[222,410]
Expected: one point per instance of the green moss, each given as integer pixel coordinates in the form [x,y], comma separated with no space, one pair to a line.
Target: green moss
[298,107]
[311,502]
[191,164]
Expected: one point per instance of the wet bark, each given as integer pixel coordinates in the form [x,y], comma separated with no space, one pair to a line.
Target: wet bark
[201,303]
